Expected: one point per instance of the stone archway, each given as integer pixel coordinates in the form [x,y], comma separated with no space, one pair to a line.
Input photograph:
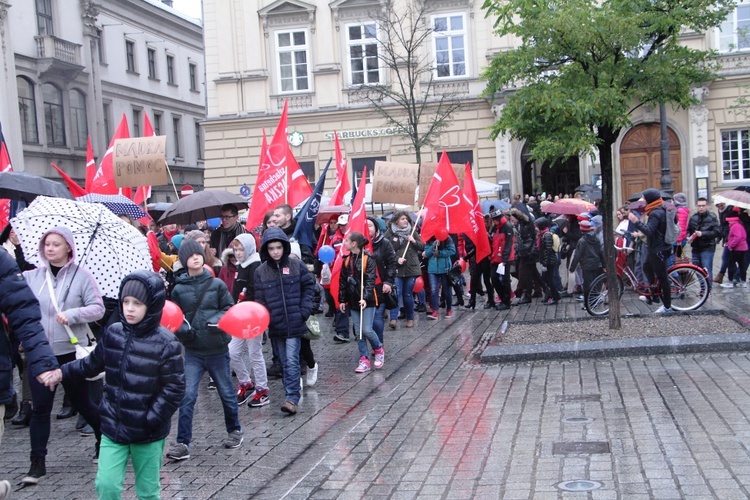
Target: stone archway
[640,159]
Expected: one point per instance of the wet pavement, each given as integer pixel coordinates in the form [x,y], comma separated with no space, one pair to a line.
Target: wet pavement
[435,423]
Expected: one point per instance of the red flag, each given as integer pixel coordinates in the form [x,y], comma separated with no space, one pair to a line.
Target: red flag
[5,166]
[90,165]
[73,186]
[279,180]
[447,206]
[479,235]
[357,223]
[143,193]
[104,180]
[342,175]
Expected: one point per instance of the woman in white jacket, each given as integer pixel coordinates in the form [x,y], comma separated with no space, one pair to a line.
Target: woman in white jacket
[69,299]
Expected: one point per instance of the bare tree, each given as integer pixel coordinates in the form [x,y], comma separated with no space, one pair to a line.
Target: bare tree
[410,100]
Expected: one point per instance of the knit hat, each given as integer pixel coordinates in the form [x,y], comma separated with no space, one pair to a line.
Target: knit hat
[680,200]
[651,195]
[586,226]
[136,289]
[542,223]
[188,249]
[177,240]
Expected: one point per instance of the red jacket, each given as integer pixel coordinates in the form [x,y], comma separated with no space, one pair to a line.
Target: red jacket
[503,242]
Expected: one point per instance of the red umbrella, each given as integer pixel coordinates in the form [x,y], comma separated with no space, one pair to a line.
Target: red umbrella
[569,206]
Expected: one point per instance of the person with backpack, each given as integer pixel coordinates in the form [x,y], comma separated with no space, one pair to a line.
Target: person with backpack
[659,249]
[548,260]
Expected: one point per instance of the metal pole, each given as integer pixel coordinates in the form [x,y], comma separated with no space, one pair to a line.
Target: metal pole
[666,177]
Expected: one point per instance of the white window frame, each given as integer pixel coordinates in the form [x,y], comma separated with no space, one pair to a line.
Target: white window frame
[293,49]
[734,33]
[742,156]
[362,43]
[449,35]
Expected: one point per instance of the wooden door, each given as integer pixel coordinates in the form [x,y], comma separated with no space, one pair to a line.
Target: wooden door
[640,160]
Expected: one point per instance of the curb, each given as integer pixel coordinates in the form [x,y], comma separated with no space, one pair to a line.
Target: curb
[616,348]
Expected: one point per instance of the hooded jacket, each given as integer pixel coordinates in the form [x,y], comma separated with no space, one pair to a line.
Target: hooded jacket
[244,279]
[385,256]
[202,337]
[411,266]
[77,293]
[144,368]
[21,308]
[655,229]
[439,255]
[503,242]
[285,287]
[525,242]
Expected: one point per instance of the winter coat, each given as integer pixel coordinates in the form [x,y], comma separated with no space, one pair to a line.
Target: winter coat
[285,287]
[655,229]
[21,309]
[244,277]
[228,270]
[350,281]
[547,254]
[526,235]
[440,256]
[411,267]
[683,215]
[77,293]
[502,242]
[144,369]
[588,254]
[203,337]
[737,238]
[708,224]
[221,238]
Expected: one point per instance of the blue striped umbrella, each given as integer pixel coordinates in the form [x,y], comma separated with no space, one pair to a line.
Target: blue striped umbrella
[116,203]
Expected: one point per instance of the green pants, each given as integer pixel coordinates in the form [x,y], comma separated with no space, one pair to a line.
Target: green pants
[113,460]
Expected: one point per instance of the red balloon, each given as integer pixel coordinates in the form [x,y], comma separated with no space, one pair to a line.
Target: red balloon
[171,316]
[209,269]
[442,234]
[418,284]
[245,320]
[464,264]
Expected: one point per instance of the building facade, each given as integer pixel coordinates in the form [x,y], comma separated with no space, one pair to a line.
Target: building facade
[74,68]
[320,56]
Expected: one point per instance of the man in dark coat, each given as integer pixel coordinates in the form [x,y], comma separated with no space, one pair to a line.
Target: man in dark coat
[658,249]
[703,233]
[21,308]
[230,227]
[286,288]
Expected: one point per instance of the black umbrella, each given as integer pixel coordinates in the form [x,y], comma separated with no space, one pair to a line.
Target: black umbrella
[156,210]
[199,206]
[637,196]
[585,187]
[21,186]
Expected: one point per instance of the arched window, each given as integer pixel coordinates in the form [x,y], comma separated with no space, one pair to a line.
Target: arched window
[27,110]
[79,126]
[54,119]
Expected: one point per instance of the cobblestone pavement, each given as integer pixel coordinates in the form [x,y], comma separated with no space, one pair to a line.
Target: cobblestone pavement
[433,423]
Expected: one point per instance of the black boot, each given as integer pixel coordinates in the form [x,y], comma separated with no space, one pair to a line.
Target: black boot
[67,410]
[471,304]
[37,471]
[11,408]
[24,415]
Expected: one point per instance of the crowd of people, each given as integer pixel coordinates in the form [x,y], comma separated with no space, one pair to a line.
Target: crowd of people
[151,374]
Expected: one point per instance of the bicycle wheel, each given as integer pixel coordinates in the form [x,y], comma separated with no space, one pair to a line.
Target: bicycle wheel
[597,300]
[689,287]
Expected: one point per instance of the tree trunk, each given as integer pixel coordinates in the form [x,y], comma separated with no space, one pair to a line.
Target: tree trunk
[608,138]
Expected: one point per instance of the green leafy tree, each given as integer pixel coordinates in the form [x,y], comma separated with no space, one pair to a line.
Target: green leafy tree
[582,67]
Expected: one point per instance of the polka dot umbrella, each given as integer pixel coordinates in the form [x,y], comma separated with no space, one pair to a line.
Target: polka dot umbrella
[106,246]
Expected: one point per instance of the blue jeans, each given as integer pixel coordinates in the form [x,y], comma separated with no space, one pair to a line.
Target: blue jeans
[288,349]
[440,282]
[217,366]
[405,288]
[368,334]
[705,259]
[378,321]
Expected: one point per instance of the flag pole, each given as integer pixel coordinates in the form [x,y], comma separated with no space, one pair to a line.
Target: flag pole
[171,179]
[361,288]
[419,215]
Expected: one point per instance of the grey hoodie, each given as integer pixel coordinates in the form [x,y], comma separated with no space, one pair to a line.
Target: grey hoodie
[77,293]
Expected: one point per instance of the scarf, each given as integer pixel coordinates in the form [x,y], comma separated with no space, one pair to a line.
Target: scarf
[654,204]
[401,233]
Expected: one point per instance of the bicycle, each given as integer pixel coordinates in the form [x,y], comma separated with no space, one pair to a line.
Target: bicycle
[688,283]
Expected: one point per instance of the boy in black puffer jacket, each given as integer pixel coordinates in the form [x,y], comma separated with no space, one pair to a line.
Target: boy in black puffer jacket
[145,385]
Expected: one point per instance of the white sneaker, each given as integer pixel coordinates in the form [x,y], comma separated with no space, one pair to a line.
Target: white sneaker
[742,284]
[663,310]
[312,375]
[5,489]
[727,284]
